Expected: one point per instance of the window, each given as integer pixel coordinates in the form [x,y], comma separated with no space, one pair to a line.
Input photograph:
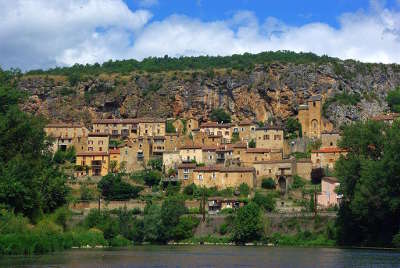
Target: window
[226,175]
[331,143]
[242,129]
[100,142]
[90,148]
[100,149]
[185,177]
[210,157]
[213,175]
[185,171]
[200,177]
[313,103]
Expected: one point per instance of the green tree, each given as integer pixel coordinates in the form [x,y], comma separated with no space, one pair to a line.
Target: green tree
[369,176]
[153,228]
[268,183]
[171,210]
[220,115]
[393,100]
[244,189]
[247,225]
[266,202]
[30,181]
[112,187]
[152,177]
[293,128]
[169,128]
[156,163]
[252,144]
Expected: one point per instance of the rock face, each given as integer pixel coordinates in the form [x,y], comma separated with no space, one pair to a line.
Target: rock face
[266,91]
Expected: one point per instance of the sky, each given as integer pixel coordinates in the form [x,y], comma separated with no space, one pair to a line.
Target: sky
[41,34]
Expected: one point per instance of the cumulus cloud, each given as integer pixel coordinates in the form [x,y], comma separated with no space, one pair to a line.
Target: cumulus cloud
[42,34]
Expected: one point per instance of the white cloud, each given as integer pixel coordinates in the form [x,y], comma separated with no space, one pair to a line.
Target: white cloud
[42,34]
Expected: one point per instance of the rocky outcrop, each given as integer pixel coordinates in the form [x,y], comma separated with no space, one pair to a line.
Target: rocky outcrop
[272,90]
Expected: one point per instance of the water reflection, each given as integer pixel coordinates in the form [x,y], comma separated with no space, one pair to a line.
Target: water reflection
[209,256]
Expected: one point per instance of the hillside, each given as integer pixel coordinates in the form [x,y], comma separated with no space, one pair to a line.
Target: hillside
[260,86]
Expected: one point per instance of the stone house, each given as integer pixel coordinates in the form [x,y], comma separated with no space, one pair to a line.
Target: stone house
[97,163]
[206,139]
[134,127]
[269,137]
[217,129]
[98,142]
[191,153]
[136,152]
[223,177]
[67,135]
[171,160]
[245,129]
[326,157]
[172,142]
[330,139]
[191,124]
[253,155]
[115,157]
[311,119]
[209,155]
[328,196]
[185,173]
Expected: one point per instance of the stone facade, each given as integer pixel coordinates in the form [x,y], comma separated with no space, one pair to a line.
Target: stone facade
[223,177]
[311,120]
[326,157]
[67,135]
[96,162]
[191,153]
[330,139]
[269,137]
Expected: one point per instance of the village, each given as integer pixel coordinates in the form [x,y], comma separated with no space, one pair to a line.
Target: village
[214,154]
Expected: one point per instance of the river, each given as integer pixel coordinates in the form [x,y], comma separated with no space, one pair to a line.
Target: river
[209,256]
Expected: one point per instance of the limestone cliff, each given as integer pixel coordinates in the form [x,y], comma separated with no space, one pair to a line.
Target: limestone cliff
[264,91]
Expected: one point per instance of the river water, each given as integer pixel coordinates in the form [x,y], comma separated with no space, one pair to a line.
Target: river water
[209,256]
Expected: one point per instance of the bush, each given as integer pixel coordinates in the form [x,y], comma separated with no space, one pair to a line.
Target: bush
[396,240]
[113,188]
[190,189]
[252,144]
[120,241]
[152,177]
[169,128]
[219,115]
[224,229]
[235,137]
[266,202]
[155,163]
[247,225]
[268,183]
[298,182]
[244,189]
[185,227]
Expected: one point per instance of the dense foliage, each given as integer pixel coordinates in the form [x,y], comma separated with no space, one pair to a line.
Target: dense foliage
[30,182]
[393,100]
[166,63]
[247,225]
[292,128]
[220,115]
[268,183]
[113,187]
[370,183]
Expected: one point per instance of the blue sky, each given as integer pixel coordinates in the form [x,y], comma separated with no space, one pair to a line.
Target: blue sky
[44,34]
[292,12]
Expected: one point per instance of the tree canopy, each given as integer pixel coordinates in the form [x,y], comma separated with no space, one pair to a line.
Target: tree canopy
[30,182]
[220,115]
[370,183]
[393,99]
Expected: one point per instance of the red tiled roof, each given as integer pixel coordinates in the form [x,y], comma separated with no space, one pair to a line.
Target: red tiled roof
[329,150]
[239,145]
[237,169]
[114,151]
[331,179]
[92,154]
[283,161]
[128,120]
[209,148]
[386,117]
[207,168]
[187,165]
[190,147]
[64,125]
[98,134]
[245,122]
[258,150]
[215,124]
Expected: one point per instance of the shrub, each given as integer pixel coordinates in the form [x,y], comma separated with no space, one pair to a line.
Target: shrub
[119,241]
[224,229]
[252,144]
[185,227]
[152,177]
[266,202]
[396,240]
[113,188]
[156,164]
[244,189]
[235,137]
[268,183]
[169,128]
[220,115]
[298,182]
[247,225]
[393,100]
[190,189]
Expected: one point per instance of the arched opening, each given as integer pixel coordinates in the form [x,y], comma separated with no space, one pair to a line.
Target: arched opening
[282,184]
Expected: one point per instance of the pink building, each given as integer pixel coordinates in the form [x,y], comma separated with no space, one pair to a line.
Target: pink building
[328,197]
